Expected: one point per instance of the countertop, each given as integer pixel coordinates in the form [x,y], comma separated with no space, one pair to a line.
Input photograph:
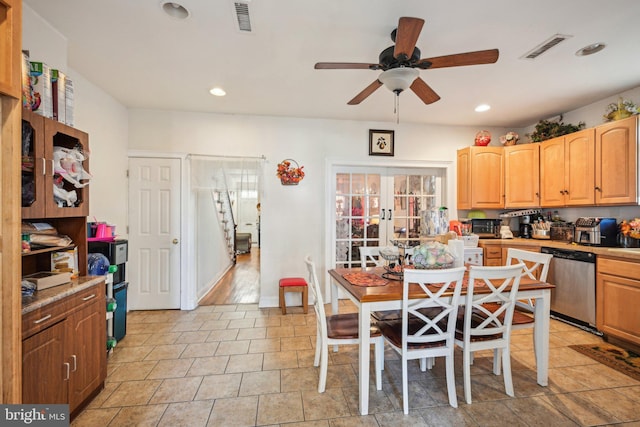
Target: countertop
[630,254]
[47,296]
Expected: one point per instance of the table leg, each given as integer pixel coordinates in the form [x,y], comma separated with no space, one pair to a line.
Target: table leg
[334,297]
[541,336]
[364,321]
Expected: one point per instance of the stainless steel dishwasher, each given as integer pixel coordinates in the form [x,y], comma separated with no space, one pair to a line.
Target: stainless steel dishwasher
[574,275]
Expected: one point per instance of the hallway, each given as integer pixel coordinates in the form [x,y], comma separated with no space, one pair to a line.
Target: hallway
[241,284]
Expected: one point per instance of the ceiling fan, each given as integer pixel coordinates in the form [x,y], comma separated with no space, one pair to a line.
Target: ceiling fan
[400,63]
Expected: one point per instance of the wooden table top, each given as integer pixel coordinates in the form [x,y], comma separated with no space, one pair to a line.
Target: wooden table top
[392,291]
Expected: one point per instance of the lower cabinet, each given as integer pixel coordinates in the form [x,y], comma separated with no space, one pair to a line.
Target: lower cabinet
[618,286]
[65,361]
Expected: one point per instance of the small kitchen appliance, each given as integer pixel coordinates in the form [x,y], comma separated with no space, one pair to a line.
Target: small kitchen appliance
[486,228]
[595,231]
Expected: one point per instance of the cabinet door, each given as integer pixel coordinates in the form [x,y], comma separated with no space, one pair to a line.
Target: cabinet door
[579,175]
[464,178]
[45,369]
[522,171]
[487,178]
[59,135]
[552,165]
[616,163]
[10,45]
[33,165]
[87,345]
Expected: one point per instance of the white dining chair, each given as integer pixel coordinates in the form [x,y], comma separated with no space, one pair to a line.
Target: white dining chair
[338,329]
[427,327]
[479,328]
[370,255]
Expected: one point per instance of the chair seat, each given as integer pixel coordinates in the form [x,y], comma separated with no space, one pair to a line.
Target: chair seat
[292,281]
[392,329]
[519,318]
[345,326]
[476,319]
[383,316]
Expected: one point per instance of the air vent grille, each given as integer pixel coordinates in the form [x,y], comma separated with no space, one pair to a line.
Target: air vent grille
[242,14]
[545,46]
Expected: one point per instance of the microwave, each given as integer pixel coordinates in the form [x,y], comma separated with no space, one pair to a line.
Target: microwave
[486,228]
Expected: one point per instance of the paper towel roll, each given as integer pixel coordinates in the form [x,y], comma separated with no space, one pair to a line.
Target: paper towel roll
[456,247]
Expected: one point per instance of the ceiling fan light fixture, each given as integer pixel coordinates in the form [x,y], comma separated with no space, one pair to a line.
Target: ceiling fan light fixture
[216,91]
[398,79]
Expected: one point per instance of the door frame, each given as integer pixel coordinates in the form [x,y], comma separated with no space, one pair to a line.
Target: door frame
[188,300]
[330,224]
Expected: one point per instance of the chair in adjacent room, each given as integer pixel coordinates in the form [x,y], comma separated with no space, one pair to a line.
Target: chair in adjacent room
[427,327]
[479,328]
[338,329]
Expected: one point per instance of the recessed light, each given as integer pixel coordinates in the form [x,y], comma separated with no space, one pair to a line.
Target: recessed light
[591,49]
[216,91]
[482,108]
[175,10]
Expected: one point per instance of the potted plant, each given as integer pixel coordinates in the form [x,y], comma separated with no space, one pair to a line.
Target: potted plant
[620,110]
[546,129]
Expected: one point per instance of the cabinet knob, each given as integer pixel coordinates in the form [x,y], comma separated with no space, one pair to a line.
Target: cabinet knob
[598,189]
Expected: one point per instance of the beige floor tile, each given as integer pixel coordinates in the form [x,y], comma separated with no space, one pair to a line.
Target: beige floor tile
[146,328]
[280,360]
[397,418]
[187,326]
[219,386]
[267,322]
[579,409]
[132,393]
[295,343]
[252,333]
[132,371]
[139,416]
[95,417]
[280,408]
[192,337]
[187,414]
[169,351]
[232,315]
[242,323]
[621,407]
[234,412]
[208,366]
[354,421]
[232,347]
[130,354]
[170,368]
[330,404]
[264,345]
[244,363]
[538,409]
[210,325]
[255,314]
[299,379]
[225,308]
[203,317]
[263,382]
[280,331]
[223,335]
[204,349]
[177,390]
[133,340]
[447,416]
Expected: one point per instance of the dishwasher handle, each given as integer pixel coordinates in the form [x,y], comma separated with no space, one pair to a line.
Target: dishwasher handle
[571,254]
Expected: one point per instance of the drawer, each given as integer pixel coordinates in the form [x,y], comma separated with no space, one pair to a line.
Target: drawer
[492,262]
[43,317]
[86,297]
[617,267]
[493,252]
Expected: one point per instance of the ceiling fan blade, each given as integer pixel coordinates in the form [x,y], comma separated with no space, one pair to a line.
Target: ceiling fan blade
[365,93]
[469,58]
[345,66]
[424,91]
[407,36]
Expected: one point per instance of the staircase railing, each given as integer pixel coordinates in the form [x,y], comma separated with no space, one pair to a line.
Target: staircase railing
[225,214]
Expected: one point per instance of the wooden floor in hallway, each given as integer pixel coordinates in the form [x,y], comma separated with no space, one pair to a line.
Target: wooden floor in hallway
[241,284]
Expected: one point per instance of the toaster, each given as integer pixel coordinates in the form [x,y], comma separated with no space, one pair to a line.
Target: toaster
[595,231]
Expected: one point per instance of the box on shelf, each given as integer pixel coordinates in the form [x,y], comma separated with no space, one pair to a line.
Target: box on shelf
[58,90]
[65,262]
[26,80]
[42,97]
[68,99]
[48,279]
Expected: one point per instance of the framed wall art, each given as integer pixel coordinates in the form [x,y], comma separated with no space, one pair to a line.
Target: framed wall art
[381,142]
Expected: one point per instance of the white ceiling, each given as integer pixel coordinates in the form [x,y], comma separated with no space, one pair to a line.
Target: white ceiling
[145,59]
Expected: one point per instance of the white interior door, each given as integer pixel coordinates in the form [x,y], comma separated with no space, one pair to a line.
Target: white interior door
[154,233]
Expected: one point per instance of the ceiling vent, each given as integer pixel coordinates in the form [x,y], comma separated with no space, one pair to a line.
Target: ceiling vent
[545,46]
[242,15]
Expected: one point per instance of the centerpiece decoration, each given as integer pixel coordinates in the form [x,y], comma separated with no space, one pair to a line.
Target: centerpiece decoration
[629,236]
[547,129]
[432,255]
[620,110]
[511,138]
[483,138]
[289,172]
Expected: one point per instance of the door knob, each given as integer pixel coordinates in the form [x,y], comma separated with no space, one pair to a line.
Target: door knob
[175,241]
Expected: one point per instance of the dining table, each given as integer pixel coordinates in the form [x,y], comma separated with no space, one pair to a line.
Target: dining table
[374,291]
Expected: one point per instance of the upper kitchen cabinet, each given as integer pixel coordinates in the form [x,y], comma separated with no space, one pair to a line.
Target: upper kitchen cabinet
[616,166]
[480,177]
[522,169]
[45,192]
[10,45]
[567,170]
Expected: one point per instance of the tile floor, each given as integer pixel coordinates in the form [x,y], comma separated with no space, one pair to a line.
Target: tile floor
[238,365]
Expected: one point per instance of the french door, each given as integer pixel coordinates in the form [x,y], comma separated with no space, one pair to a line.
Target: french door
[381,207]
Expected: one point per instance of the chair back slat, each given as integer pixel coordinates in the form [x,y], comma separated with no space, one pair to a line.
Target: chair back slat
[536,264]
[318,301]
[370,255]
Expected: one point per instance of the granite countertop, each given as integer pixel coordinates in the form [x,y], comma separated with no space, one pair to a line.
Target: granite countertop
[47,296]
[631,254]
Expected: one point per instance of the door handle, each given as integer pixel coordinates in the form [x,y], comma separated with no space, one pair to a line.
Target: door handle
[382,210]
[174,241]
[67,369]
[389,214]
[75,363]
